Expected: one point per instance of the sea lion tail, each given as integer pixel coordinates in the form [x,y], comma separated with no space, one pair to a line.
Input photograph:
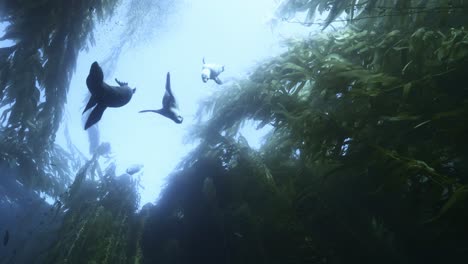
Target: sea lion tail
[92,102]
[95,115]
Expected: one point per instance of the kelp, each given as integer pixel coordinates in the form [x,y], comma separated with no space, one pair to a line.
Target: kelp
[363,163]
[52,176]
[223,207]
[380,14]
[35,76]
[99,218]
[96,214]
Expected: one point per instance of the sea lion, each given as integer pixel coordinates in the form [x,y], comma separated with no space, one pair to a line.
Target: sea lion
[211,71]
[170,107]
[104,95]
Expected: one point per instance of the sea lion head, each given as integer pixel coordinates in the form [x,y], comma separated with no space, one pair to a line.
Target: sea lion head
[205,74]
[179,119]
[95,78]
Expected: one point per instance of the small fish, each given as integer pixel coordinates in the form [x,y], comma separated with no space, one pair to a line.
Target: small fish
[6,237]
[134,169]
[170,107]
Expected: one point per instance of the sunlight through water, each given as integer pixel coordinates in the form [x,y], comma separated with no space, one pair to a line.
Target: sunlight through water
[234,33]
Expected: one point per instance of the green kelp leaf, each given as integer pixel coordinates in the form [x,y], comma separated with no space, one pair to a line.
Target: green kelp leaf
[406,90]
[459,199]
[292,66]
[312,8]
[334,57]
[402,117]
[448,114]
[422,124]
[296,76]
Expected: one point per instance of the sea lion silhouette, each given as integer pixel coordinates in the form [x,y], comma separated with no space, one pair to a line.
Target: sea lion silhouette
[170,107]
[104,95]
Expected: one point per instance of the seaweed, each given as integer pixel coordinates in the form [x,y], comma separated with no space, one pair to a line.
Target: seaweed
[363,163]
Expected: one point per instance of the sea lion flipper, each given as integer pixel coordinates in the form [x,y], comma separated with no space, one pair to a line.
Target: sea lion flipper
[217,80]
[120,83]
[168,98]
[168,83]
[146,111]
[92,102]
[95,115]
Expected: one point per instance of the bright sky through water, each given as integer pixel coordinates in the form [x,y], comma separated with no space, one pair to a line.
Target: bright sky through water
[234,33]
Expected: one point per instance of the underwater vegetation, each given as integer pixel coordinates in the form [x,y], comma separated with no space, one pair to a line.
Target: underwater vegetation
[35,75]
[98,219]
[364,163]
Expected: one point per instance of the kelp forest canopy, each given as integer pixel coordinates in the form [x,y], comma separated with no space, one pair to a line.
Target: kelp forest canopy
[364,163]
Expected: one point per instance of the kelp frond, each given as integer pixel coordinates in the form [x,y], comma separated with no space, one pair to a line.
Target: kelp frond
[98,218]
[388,14]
